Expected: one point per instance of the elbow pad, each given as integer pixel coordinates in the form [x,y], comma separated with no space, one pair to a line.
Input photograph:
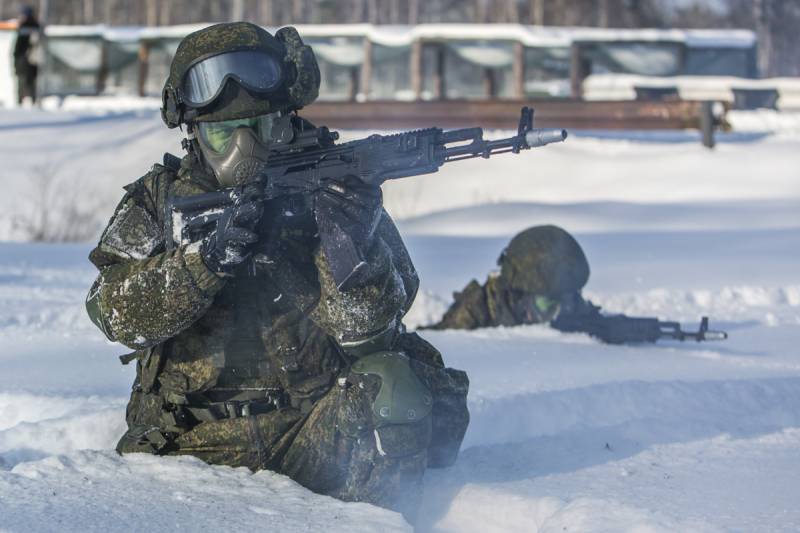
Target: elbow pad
[96,312]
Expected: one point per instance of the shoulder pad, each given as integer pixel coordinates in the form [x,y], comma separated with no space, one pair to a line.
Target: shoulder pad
[150,182]
[132,233]
[135,230]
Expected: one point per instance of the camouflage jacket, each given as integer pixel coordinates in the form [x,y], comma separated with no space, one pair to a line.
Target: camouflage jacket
[279,323]
[490,305]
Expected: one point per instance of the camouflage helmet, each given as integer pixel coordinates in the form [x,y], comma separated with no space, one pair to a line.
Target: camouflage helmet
[300,72]
[544,260]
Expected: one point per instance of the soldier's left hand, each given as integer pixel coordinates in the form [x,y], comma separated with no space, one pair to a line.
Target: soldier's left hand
[347,213]
[352,205]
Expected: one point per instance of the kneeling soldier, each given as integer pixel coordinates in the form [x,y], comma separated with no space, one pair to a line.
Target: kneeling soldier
[247,352]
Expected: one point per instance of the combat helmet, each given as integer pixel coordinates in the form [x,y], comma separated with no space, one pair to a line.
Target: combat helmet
[545,260]
[238,70]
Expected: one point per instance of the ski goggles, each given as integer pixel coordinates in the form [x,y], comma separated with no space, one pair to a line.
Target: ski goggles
[544,304]
[255,70]
[533,308]
[217,135]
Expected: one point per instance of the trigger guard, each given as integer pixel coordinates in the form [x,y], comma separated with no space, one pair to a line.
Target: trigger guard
[402,398]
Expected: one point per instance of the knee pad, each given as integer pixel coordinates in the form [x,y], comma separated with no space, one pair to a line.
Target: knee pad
[402,397]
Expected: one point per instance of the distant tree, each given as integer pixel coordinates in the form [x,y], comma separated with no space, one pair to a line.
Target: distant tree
[536,15]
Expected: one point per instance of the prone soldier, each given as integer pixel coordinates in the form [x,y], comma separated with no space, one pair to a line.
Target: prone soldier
[542,272]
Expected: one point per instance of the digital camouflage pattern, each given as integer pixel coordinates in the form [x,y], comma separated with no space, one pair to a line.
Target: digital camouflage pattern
[538,267]
[273,367]
[544,260]
[278,325]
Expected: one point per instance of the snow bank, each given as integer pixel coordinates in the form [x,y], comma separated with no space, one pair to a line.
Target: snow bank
[590,485]
[482,509]
[100,105]
[767,120]
[101,491]
[52,425]
[771,306]
[33,408]
[8,91]
[717,88]
[592,170]
[73,165]
[507,217]
[566,433]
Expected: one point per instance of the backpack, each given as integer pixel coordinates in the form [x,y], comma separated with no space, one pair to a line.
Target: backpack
[34,55]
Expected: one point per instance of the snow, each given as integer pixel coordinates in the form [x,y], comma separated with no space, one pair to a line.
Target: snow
[716,88]
[566,434]
[170,494]
[403,35]
[8,89]
[389,35]
[74,151]
[705,484]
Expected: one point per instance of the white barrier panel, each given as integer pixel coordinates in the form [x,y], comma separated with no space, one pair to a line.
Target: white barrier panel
[8,82]
[719,88]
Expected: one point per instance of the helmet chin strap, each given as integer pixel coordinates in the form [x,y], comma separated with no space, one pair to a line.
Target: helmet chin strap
[192,147]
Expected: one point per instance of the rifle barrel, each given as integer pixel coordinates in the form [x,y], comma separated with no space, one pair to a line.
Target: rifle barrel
[672,330]
[711,335]
[543,137]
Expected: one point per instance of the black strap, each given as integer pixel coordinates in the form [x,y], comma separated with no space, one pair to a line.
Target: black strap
[232,409]
[150,437]
[258,441]
[128,357]
[172,162]
[219,395]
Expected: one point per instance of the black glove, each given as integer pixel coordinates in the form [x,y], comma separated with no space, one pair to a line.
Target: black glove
[347,213]
[228,244]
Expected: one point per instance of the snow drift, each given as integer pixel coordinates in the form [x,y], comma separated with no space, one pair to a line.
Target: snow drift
[566,434]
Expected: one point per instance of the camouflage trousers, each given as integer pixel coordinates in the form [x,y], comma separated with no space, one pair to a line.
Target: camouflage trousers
[335,448]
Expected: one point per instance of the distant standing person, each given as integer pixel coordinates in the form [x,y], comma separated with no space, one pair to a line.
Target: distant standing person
[26,52]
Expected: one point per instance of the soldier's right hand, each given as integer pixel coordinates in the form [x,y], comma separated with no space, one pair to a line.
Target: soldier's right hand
[229,244]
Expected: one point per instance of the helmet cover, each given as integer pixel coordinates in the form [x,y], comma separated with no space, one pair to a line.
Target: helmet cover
[544,260]
[299,87]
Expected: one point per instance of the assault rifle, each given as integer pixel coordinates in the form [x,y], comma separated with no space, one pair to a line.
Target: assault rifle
[304,159]
[577,315]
